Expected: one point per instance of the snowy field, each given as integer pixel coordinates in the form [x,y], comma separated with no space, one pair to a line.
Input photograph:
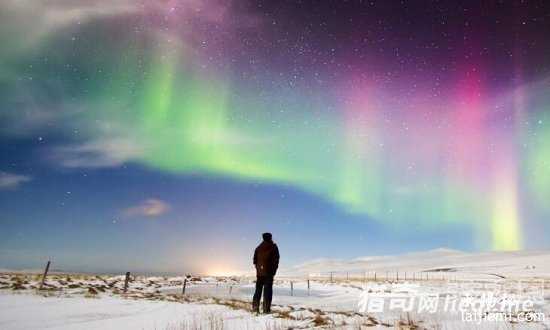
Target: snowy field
[341,295]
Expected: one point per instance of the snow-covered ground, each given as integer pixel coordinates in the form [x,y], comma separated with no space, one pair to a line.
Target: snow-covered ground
[25,311]
[340,294]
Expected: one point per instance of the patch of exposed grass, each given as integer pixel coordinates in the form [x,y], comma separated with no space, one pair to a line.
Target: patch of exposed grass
[320,321]
[407,323]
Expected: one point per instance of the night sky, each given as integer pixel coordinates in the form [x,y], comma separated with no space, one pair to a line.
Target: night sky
[168,135]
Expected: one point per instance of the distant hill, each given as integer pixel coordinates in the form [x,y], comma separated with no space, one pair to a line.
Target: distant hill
[516,264]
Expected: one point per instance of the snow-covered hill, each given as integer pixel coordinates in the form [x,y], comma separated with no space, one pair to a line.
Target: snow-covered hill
[514,264]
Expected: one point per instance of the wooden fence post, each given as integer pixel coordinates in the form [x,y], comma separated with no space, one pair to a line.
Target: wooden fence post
[291,288]
[126,281]
[375,276]
[185,284]
[45,274]
[308,286]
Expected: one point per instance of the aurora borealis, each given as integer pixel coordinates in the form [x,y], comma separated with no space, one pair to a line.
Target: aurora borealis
[398,120]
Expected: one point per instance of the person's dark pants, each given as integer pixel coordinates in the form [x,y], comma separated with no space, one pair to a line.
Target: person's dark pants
[265,283]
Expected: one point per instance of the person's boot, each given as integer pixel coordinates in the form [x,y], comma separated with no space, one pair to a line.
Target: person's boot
[266,308]
[255,308]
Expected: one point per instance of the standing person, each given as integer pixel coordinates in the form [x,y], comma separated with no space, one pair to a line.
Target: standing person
[266,260]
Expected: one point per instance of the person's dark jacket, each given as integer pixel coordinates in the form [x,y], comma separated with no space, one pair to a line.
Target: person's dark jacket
[266,258]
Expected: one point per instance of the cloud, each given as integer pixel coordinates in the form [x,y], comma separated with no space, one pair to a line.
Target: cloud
[32,21]
[98,153]
[12,181]
[36,20]
[150,208]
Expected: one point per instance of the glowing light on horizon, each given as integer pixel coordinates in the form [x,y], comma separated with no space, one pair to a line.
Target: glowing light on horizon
[223,272]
